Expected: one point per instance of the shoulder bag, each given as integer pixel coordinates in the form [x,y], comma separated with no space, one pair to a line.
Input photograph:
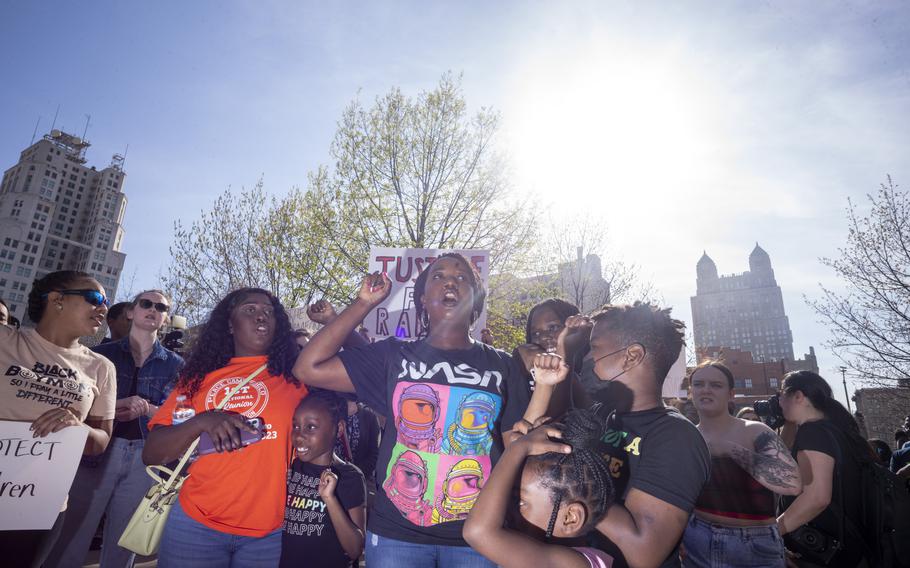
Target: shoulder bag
[143,533]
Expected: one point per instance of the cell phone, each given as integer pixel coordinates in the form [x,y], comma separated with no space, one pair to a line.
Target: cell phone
[207,446]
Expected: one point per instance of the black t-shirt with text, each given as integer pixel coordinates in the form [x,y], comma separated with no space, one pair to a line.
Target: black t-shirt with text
[445,411]
[308,536]
[659,452]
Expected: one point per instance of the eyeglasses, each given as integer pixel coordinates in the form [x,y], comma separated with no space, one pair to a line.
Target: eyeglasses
[146,304]
[93,297]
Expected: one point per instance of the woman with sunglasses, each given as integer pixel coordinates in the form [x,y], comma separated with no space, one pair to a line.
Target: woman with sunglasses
[65,305]
[830,452]
[113,484]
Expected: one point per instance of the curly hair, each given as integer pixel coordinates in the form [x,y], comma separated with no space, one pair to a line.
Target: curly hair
[420,285]
[215,346]
[649,326]
[41,287]
[582,476]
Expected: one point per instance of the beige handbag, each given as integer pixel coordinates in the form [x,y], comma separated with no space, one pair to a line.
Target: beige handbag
[143,533]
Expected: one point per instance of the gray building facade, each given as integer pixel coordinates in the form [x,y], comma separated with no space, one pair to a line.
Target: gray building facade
[742,311]
[56,213]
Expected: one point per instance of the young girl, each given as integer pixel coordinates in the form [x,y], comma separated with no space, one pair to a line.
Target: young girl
[562,495]
[325,514]
[447,399]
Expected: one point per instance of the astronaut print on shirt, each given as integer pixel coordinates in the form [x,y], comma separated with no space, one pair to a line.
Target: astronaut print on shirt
[441,457]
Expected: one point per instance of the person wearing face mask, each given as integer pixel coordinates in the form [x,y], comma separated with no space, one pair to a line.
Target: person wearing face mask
[65,305]
[658,459]
[113,484]
[231,506]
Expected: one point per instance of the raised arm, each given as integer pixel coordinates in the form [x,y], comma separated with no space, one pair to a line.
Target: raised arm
[769,462]
[318,363]
[485,531]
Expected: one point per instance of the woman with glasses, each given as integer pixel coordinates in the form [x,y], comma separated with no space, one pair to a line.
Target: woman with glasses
[830,452]
[65,305]
[113,484]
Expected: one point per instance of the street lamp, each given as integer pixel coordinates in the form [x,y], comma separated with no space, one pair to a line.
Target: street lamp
[843,374]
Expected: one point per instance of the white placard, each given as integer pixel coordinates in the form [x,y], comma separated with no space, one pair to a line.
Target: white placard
[36,474]
[396,316]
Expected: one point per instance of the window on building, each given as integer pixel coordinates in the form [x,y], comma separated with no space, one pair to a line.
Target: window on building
[772,382]
[748,383]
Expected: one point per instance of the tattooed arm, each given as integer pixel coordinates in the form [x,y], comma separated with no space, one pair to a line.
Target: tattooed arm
[769,462]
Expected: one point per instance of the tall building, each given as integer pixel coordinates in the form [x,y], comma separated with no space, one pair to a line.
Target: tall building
[58,214]
[742,311]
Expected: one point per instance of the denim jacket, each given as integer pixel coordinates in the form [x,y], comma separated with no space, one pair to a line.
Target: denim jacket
[156,377]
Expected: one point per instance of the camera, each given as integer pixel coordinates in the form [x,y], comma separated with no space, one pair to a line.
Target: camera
[770,412]
[173,340]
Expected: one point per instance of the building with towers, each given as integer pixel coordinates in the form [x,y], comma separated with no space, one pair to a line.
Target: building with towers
[56,213]
[742,311]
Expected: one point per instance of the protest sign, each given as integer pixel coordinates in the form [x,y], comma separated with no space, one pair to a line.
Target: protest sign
[36,474]
[396,316]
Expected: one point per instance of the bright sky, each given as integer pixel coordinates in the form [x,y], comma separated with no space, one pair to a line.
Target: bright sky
[688,126]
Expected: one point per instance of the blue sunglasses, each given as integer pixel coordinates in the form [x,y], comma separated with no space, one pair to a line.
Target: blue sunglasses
[93,297]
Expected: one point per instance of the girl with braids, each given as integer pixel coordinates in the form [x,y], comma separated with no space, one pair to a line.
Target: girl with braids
[231,505]
[830,452]
[65,305]
[565,490]
[447,399]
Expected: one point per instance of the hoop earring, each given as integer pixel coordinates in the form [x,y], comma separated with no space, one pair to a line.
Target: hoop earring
[425,320]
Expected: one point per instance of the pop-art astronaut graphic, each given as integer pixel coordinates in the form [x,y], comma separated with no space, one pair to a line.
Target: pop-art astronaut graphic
[459,492]
[405,487]
[418,415]
[470,432]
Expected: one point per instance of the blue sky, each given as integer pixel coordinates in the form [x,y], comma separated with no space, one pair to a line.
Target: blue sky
[685,127]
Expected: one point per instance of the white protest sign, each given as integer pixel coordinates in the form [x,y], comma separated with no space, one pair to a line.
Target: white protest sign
[396,316]
[36,474]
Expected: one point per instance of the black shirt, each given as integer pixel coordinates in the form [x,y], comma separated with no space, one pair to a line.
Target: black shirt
[659,452]
[445,412]
[823,436]
[308,536]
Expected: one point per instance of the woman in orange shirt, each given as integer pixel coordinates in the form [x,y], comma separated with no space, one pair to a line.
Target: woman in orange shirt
[232,504]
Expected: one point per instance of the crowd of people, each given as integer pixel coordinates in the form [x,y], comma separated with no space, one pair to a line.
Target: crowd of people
[329,448]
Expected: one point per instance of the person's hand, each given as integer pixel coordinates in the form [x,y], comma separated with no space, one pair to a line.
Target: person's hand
[375,288]
[792,557]
[549,369]
[522,427]
[540,440]
[224,429]
[486,336]
[327,483]
[321,312]
[53,420]
[577,332]
[527,352]
[131,408]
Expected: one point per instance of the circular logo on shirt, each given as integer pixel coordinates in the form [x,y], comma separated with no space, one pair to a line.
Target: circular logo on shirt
[249,401]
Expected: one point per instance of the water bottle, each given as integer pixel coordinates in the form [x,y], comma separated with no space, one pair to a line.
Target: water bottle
[183,411]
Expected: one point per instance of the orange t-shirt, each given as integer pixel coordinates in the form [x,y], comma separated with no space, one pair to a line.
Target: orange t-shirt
[241,492]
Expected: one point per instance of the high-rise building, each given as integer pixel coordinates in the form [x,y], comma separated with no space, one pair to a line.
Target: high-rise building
[742,311]
[58,214]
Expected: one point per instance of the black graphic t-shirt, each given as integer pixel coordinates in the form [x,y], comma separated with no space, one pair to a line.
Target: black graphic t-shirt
[659,452]
[445,411]
[308,536]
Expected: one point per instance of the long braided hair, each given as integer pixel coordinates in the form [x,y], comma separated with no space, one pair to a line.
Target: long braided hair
[581,476]
[215,345]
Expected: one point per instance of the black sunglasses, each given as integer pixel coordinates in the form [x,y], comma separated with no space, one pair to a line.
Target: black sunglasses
[93,297]
[146,304]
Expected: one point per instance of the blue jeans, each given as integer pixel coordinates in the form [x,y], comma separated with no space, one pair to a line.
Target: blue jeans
[383,552]
[187,543]
[709,546]
[113,486]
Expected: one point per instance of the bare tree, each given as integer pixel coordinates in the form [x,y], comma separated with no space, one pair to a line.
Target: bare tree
[416,173]
[870,321]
